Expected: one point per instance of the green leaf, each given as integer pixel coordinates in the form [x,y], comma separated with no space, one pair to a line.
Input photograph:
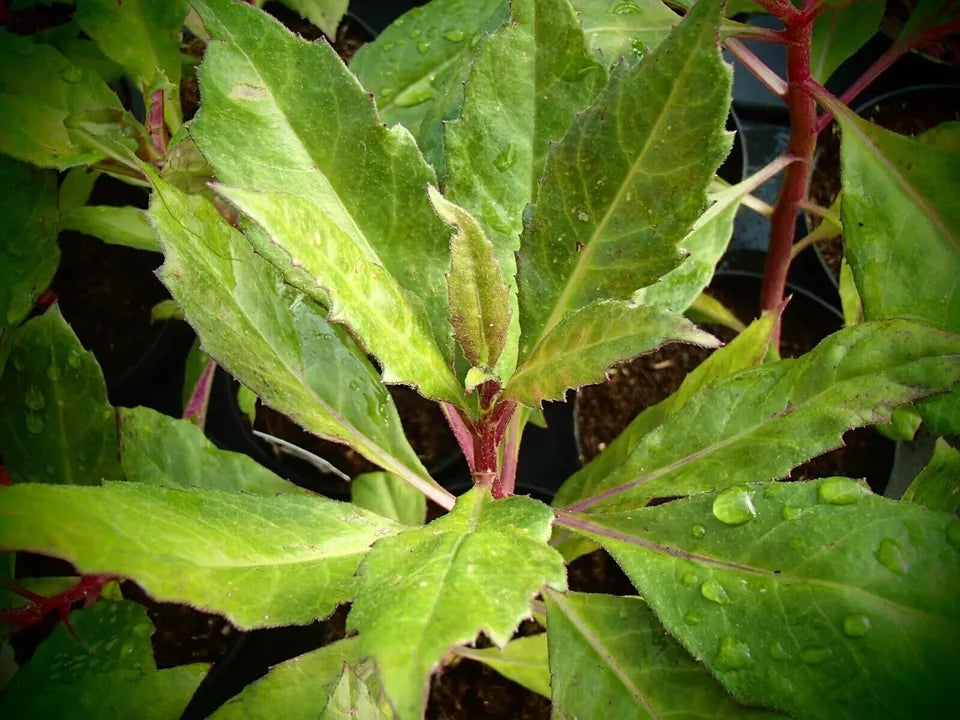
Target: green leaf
[75,188]
[114,225]
[838,34]
[115,134]
[351,698]
[903,425]
[474,569]
[165,310]
[260,561]
[620,191]
[389,496]
[247,403]
[747,349]
[479,298]
[629,28]
[761,422]
[610,658]
[300,686]
[827,602]
[927,14]
[581,348]
[159,450]
[362,189]
[937,486]
[39,88]
[420,53]
[194,366]
[708,310]
[274,340]
[56,424]
[109,673]
[849,297]
[901,219]
[29,254]
[524,660]
[325,14]
[141,35]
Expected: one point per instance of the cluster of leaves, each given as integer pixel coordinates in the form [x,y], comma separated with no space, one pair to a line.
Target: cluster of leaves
[492,244]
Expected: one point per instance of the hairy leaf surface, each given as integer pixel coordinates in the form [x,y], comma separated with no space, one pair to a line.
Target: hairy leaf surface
[261,561]
[353,208]
[817,598]
[627,181]
[351,698]
[325,14]
[110,672]
[272,338]
[475,569]
[159,450]
[624,29]
[56,424]
[761,422]
[610,658]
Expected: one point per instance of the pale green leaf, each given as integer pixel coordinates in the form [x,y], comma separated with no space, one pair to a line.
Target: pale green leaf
[68,38]
[849,297]
[360,191]
[838,34]
[479,299]
[748,348]
[109,673]
[260,561]
[624,28]
[581,348]
[274,340]
[247,403]
[761,422]
[56,424]
[28,238]
[165,310]
[114,225]
[39,88]
[622,189]
[524,660]
[710,311]
[937,486]
[351,699]
[611,658]
[387,495]
[75,188]
[428,589]
[141,35]
[824,600]
[420,53]
[325,14]
[300,686]
[159,450]
[901,219]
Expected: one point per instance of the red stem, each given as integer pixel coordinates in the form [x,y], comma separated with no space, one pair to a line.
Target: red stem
[88,589]
[803,121]
[461,431]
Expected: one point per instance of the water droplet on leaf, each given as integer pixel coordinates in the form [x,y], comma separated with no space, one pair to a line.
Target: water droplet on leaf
[856,626]
[690,578]
[624,7]
[698,531]
[506,158]
[72,74]
[815,655]
[455,35]
[422,47]
[790,512]
[734,506]
[33,398]
[890,554]
[733,654]
[34,423]
[53,372]
[714,592]
[74,359]
[840,491]
[388,47]
[414,96]
[777,652]
[796,543]
[693,618]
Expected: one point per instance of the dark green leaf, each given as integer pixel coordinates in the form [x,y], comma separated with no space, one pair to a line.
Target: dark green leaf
[623,188]
[109,673]
[56,424]
[474,569]
[838,34]
[937,486]
[817,598]
[260,561]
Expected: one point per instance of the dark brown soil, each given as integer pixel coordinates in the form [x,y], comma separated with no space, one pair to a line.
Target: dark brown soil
[350,36]
[909,113]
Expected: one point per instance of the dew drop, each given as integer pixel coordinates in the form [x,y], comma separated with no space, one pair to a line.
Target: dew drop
[475,40]
[693,618]
[625,7]
[815,655]
[414,96]
[72,74]
[74,359]
[734,506]
[890,554]
[690,578]
[387,93]
[772,490]
[34,423]
[53,372]
[455,35]
[415,33]
[840,491]
[796,543]
[714,592]
[698,531]
[953,534]
[506,158]
[777,652]
[422,47]
[33,398]
[790,512]
[733,654]
[856,626]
